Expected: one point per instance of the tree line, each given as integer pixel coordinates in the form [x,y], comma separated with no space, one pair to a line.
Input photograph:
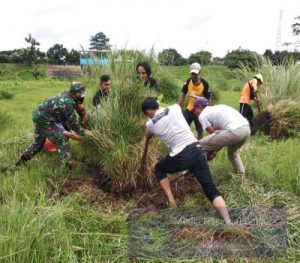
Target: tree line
[58,54]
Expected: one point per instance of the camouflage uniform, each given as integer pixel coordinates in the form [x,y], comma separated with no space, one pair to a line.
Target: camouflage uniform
[58,109]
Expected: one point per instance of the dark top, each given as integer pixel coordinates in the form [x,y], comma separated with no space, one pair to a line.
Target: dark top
[151,82]
[97,98]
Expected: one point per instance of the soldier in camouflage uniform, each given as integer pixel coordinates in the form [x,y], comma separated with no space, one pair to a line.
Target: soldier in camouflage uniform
[53,111]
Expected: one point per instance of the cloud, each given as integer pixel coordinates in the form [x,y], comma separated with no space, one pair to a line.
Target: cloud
[46,33]
[197,21]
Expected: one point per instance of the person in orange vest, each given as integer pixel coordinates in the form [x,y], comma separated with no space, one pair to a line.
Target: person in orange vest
[250,93]
[194,87]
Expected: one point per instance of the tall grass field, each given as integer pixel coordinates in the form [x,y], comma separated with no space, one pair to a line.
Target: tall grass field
[50,214]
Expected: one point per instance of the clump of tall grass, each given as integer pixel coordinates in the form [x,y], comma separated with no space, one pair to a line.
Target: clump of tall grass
[280,82]
[34,234]
[280,121]
[119,124]
[285,120]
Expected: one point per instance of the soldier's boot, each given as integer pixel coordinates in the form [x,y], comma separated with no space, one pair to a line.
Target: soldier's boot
[21,161]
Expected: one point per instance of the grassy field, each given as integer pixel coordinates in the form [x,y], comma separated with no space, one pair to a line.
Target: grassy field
[44,220]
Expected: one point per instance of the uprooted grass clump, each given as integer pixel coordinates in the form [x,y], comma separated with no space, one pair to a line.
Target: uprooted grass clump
[119,125]
[285,119]
[280,121]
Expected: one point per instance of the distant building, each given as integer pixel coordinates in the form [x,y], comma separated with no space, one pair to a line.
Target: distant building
[93,57]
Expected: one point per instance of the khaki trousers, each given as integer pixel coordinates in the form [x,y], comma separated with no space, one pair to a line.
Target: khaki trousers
[233,140]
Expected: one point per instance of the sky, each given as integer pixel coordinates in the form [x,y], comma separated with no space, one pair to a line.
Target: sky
[189,26]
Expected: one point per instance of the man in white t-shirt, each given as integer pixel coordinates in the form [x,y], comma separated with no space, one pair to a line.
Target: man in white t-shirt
[227,128]
[186,153]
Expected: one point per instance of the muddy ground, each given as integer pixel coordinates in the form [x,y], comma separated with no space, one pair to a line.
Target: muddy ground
[94,191]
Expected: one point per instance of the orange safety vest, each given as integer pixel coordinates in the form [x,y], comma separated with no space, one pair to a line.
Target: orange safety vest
[246,92]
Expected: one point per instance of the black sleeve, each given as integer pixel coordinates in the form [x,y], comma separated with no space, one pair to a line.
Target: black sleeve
[206,89]
[96,99]
[153,85]
[185,86]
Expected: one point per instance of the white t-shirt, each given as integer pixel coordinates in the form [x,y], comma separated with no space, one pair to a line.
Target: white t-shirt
[221,117]
[170,125]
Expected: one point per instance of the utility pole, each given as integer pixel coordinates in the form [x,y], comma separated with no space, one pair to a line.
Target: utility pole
[278,44]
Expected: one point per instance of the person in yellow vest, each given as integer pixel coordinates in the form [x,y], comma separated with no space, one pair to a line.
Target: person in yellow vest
[194,87]
[250,93]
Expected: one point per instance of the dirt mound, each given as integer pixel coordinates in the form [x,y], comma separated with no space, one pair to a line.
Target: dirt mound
[65,72]
[185,187]
[95,191]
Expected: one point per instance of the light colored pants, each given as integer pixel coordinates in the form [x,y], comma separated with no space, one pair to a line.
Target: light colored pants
[233,140]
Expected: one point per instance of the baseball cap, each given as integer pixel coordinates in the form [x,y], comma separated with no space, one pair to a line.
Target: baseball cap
[195,68]
[201,101]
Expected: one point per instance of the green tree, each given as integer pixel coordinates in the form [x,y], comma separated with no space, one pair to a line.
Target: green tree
[279,57]
[4,58]
[217,61]
[99,42]
[30,55]
[235,58]
[57,54]
[203,57]
[72,57]
[170,57]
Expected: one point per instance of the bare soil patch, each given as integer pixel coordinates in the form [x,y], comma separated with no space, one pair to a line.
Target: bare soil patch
[97,192]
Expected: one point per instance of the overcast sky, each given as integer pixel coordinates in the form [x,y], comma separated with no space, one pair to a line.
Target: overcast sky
[188,26]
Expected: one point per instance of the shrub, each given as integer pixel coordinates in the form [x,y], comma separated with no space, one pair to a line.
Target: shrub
[38,73]
[169,85]
[6,95]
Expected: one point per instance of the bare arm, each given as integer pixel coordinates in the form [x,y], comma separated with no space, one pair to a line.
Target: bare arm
[149,134]
[72,135]
[181,99]
[256,98]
